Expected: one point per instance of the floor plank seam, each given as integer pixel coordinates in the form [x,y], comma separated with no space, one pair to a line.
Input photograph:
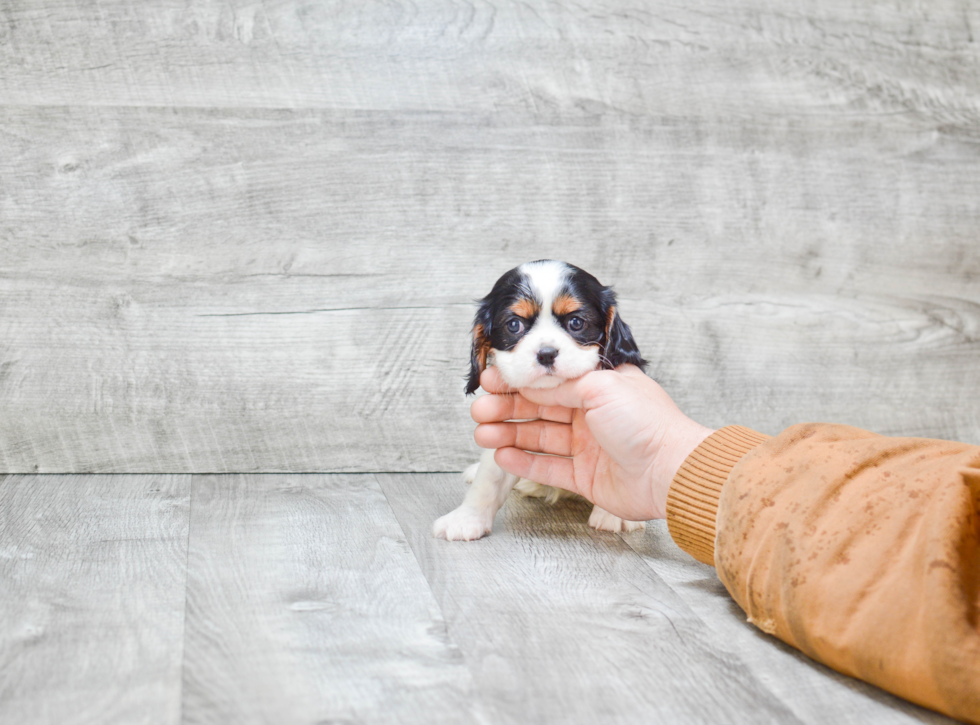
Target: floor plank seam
[453,641]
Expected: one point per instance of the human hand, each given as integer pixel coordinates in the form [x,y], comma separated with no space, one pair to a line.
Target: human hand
[613,436]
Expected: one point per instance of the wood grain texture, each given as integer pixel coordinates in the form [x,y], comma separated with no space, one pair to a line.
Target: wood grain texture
[246,292]
[305,605]
[322,598]
[814,693]
[92,598]
[247,236]
[679,60]
[560,624]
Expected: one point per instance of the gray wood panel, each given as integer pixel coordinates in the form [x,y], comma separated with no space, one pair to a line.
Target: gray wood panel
[247,236]
[247,292]
[92,598]
[305,605]
[561,624]
[734,59]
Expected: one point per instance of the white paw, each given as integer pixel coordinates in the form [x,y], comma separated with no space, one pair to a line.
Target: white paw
[463,524]
[602,520]
[470,473]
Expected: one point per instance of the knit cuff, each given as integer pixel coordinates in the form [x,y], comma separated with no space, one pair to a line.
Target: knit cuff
[692,502]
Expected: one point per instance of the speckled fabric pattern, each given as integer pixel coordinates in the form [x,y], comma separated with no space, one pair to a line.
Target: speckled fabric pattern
[862,551]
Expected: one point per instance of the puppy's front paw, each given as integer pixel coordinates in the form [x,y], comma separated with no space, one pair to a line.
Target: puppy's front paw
[602,520]
[463,524]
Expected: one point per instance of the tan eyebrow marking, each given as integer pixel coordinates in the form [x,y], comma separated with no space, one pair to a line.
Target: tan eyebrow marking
[525,308]
[565,304]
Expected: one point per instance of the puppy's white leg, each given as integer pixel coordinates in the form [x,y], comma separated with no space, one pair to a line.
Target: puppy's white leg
[602,520]
[469,475]
[474,517]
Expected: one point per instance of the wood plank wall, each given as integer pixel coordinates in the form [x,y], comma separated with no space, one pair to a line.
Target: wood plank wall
[241,236]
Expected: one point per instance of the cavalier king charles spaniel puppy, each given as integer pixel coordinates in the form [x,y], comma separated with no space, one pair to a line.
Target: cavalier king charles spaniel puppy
[542,323]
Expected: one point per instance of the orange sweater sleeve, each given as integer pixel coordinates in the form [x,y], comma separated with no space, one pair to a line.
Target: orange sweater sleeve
[860,550]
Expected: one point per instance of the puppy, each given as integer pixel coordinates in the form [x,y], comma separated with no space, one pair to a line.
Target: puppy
[542,323]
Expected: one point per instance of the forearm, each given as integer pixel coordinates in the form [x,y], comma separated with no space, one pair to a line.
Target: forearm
[857,549]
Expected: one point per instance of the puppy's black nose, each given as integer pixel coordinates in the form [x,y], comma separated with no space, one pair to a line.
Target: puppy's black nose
[547,355]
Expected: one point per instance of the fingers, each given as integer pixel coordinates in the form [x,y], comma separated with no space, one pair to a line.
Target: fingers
[491,381]
[555,403]
[578,393]
[537,435]
[546,470]
[630,371]
[498,408]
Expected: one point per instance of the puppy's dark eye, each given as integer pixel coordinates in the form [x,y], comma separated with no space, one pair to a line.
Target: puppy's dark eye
[514,326]
[575,324]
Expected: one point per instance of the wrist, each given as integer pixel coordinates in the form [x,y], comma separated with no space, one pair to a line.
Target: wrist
[693,494]
[684,437]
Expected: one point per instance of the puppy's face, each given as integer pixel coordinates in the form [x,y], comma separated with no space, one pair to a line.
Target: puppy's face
[545,322]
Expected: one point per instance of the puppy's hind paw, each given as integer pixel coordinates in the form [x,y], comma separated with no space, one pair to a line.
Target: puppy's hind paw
[463,524]
[602,520]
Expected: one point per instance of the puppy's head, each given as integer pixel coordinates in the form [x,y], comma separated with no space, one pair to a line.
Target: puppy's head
[546,322]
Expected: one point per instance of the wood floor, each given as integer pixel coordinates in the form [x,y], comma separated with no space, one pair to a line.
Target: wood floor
[321,598]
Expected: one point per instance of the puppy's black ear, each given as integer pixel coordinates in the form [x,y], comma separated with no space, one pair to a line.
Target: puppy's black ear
[620,347]
[480,348]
